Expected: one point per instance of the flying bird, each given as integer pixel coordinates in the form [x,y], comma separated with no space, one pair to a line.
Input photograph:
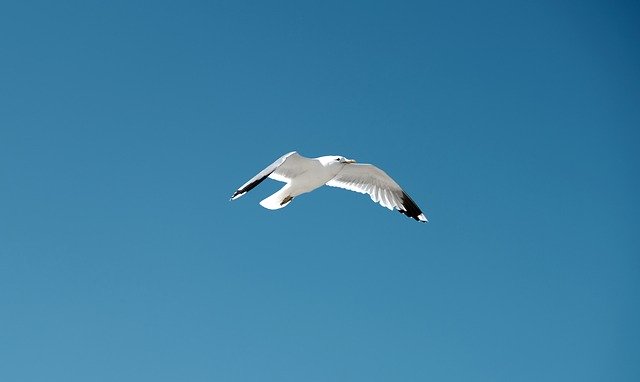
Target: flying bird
[303,175]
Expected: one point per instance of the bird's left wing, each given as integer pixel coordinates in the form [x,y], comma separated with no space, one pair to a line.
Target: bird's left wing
[283,169]
[368,179]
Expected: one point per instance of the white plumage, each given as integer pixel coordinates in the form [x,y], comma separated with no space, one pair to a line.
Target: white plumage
[303,175]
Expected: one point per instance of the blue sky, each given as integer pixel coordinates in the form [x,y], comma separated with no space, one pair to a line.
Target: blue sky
[125,127]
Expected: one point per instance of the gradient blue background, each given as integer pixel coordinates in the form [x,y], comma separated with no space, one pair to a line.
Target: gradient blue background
[125,127]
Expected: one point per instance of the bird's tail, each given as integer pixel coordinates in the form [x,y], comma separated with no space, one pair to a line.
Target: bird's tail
[280,199]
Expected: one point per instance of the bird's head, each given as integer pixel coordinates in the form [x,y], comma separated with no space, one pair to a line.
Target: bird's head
[331,159]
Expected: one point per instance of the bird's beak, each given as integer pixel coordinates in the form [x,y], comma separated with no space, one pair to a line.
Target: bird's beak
[350,161]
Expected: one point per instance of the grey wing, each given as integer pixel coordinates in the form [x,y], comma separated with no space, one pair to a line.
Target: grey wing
[368,179]
[283,169]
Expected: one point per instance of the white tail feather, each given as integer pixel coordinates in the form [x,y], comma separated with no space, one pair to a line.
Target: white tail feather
[275,201]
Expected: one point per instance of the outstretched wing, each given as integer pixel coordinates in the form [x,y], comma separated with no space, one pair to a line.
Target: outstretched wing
[368,179]
[283,169]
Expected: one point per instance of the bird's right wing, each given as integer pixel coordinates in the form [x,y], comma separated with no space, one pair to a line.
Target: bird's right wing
[283,169]
[368,179]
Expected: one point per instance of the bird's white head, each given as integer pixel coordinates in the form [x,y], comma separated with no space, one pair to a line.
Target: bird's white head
[334,159]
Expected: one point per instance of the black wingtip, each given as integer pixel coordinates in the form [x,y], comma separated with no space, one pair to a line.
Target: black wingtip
[249,187]
[411,209]
[237,194]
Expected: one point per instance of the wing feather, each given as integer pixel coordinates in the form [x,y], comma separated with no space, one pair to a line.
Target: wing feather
[293,166]
[368,179]
[283,169]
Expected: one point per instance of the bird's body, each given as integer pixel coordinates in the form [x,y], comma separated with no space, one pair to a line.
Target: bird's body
[317,173]
[303,175]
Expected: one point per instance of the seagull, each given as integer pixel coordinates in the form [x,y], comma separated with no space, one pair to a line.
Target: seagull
[303,175]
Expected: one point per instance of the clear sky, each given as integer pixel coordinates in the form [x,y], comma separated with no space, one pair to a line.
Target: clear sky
[125,127]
